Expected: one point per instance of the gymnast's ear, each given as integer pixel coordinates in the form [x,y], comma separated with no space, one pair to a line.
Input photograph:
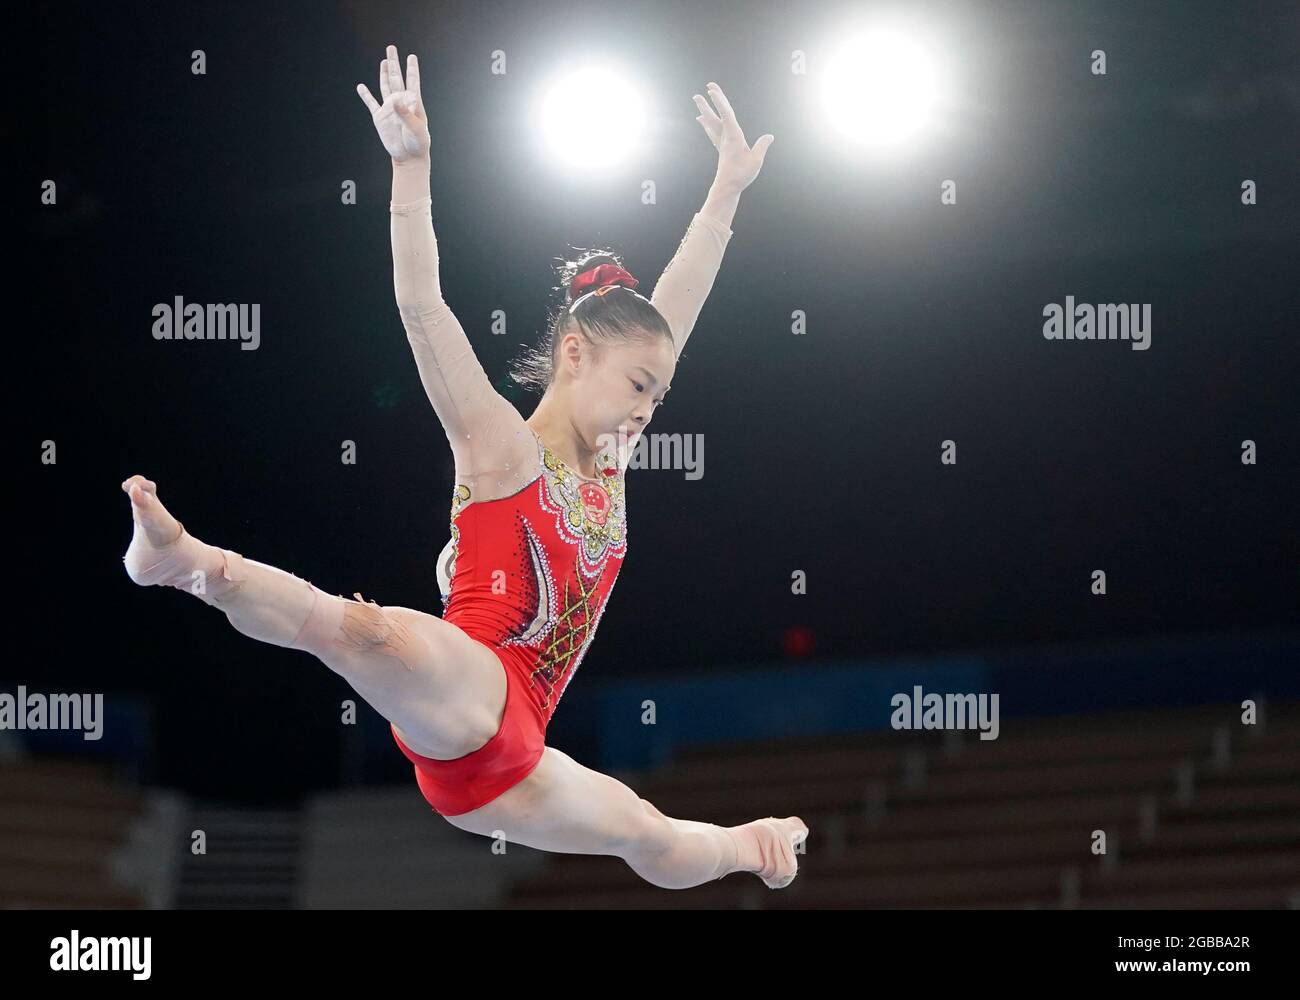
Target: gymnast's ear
[575,353]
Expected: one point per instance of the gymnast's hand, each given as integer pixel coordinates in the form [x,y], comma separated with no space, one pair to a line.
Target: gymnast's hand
[400,120]
[738,164]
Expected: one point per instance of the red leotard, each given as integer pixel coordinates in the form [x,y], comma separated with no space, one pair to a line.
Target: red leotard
[530,576]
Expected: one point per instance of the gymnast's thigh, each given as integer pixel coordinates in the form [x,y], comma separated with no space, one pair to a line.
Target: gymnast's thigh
[565,808]
[442,688]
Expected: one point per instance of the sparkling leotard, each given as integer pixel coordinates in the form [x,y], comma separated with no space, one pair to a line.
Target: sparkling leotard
[531,573]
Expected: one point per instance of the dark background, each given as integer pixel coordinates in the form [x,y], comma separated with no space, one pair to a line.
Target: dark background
[822,452]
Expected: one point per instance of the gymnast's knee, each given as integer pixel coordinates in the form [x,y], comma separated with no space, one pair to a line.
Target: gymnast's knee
[336,626]
[653,833]
[649,807]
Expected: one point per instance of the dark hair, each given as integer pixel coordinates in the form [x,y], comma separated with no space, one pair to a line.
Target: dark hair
[619,316]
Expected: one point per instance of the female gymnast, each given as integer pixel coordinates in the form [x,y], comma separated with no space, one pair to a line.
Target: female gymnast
[538,535]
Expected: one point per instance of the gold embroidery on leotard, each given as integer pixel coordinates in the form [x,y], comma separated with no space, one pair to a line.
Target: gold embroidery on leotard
[459,498]
[594,513]
[569,637]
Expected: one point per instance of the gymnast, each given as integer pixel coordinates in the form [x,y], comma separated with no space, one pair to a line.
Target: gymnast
[538,535]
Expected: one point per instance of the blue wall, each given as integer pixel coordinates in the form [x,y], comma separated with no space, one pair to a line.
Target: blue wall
[602,725]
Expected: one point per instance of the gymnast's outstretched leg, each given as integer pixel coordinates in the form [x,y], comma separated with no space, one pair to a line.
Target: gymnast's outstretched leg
[435,684]
[567,808]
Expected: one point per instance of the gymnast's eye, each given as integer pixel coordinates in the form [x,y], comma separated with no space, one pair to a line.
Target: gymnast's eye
[641,388]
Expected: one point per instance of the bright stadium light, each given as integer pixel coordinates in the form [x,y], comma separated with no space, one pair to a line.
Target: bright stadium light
[591,118]
[880,88]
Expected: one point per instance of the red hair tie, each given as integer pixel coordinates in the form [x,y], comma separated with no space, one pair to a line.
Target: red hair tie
[600,280]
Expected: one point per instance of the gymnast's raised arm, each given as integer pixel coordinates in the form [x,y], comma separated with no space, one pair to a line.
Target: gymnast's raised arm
[680,292]
[481,425]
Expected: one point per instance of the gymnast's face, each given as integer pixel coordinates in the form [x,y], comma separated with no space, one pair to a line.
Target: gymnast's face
[621,387]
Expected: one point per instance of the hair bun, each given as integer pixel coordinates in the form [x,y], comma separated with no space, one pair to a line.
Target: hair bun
[600,280]
[588,262]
